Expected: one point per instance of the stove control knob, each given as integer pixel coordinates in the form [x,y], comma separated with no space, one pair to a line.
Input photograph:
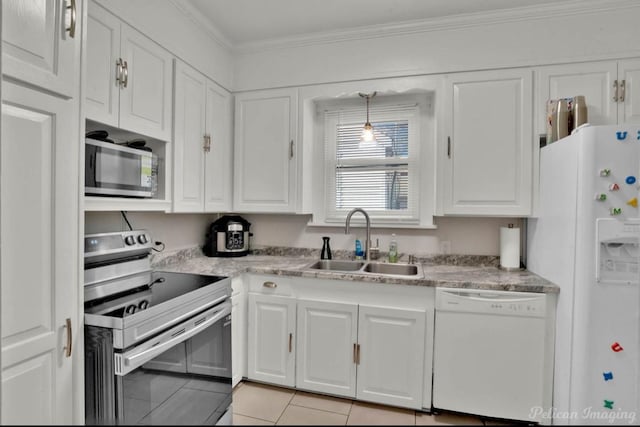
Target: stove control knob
[129,240]
[130,309]
[143,304]
[142,239]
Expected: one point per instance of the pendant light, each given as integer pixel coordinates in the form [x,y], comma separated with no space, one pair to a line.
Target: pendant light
[367,138]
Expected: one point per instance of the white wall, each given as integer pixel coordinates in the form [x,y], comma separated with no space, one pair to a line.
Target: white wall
[580,31]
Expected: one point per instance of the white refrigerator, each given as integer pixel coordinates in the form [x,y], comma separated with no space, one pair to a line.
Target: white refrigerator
[585,237]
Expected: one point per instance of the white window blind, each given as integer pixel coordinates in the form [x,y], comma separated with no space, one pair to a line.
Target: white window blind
[380,177]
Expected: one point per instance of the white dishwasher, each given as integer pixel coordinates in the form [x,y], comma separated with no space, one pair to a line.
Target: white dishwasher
[493,353]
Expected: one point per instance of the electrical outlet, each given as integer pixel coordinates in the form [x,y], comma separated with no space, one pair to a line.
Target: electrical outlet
[445,247]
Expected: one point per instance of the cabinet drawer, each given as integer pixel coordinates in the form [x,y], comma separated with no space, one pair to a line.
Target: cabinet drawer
[271,285]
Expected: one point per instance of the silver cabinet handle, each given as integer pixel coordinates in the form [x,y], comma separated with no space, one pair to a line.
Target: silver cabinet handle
[207,143]
[291,149]
[119,71]
[449,147]
[72,22]
[355,353]
[67,348]
[125,69]
[615,91]
[622,90]
[271,285]
[290,342]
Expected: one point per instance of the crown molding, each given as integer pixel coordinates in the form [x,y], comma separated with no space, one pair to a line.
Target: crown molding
[196,17]
[528,13]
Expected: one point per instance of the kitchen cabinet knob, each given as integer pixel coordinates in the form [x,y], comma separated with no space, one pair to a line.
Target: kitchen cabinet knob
[67,348]
[72,19]
[271,285]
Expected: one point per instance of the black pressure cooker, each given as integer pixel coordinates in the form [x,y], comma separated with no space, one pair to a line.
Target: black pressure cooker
[228,236]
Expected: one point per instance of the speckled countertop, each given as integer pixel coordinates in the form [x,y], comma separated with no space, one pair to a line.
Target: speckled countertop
[452,271]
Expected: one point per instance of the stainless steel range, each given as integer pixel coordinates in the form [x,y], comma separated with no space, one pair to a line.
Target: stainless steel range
[157,343]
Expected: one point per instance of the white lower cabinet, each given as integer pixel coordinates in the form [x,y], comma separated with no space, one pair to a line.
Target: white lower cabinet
[327,347]
[391,356]
[369,346]
[271,349]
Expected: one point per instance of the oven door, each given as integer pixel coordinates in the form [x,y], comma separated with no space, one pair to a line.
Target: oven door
[181,376]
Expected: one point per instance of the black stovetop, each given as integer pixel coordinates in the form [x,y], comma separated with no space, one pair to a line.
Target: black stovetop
[163,287]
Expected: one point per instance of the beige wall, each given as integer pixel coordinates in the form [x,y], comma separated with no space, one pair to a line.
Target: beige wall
[473,236]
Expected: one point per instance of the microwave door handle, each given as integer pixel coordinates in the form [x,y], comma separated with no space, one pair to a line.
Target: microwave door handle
[133,361]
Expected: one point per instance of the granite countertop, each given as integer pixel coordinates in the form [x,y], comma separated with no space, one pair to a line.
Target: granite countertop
[452,272]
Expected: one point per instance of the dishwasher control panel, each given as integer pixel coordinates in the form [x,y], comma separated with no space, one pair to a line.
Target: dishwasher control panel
[491,302]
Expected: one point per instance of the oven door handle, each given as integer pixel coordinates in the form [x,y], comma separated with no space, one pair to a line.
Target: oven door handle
[133,359]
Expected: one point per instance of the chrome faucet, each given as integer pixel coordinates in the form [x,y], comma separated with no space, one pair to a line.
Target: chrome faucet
[367,255]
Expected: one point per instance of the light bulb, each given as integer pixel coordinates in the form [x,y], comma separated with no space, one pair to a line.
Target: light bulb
[367,133]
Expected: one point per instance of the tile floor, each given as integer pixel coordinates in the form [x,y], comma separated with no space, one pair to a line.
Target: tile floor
[259,404]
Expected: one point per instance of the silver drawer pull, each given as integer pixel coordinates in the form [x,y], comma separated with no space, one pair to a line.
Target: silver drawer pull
[270,285]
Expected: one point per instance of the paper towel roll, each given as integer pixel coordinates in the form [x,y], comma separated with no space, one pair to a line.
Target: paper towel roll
[509,247]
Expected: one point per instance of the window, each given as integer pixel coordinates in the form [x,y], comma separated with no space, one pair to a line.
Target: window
[381,177]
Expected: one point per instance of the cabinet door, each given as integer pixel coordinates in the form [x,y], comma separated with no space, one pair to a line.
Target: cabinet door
[593,80]
[39,202]
[145,98]
[391,364]
[188,149]
[217,197]
[37,49]
[103,52]
[271,346]
[265,151]
[629,71]
[488,153]
[326,352]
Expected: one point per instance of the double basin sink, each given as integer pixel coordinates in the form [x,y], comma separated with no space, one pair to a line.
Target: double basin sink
[368,267]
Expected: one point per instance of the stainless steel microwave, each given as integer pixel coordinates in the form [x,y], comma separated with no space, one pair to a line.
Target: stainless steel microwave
[115,170]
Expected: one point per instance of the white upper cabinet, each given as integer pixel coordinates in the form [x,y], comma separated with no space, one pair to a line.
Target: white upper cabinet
[486,150]
[41,43]
[265,151]
[593,80]
[629,73]
[202,143]
[128,77]
[611,90]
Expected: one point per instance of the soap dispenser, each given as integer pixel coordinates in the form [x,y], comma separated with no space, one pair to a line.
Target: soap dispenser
[393,249]
[326,249]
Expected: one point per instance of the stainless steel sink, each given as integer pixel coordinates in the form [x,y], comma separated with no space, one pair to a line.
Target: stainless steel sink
[364,267]
[395,269]
[337,265]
